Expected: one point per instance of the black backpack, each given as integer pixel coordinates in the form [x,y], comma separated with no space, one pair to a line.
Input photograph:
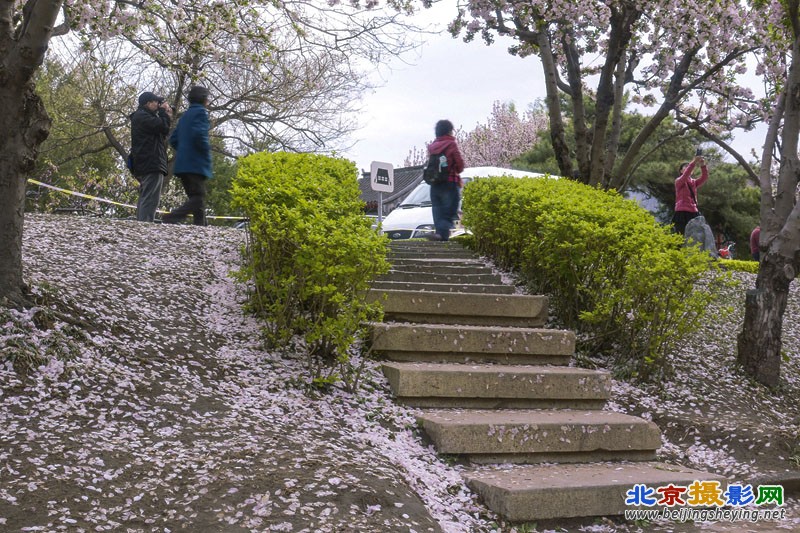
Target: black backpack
[436,171]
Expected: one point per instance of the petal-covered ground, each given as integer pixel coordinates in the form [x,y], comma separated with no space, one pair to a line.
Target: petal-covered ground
[172,417]
[169,415]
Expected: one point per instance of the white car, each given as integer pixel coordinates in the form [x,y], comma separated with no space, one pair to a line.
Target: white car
[413,218]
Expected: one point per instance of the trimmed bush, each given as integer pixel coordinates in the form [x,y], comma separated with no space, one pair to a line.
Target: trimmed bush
[311,253]
[739,266]
[615,275]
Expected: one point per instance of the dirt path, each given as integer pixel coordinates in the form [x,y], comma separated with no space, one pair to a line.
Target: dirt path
[173,418]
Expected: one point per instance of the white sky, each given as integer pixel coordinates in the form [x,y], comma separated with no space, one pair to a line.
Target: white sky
[450,79]
[447,78]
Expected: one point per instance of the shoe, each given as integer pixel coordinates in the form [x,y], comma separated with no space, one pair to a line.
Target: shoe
[434,237]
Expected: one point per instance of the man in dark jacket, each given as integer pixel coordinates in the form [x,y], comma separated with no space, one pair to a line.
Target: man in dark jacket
[150,125]
[193,158]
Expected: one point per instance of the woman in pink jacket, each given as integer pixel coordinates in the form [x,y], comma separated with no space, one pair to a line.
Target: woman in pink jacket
[686,193]
[445,196]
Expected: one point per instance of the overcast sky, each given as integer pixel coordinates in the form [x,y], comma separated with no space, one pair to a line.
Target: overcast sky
[448,78]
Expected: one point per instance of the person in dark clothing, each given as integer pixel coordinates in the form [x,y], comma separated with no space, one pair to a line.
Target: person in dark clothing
[150,125]
[193,158]
[446,195]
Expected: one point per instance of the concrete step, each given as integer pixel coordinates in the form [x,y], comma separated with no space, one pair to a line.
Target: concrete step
[432,253]
[475,268]
[520,310]
[541,436]
[443,287]
[423,244]
[448,343]
[456,279]
[541,492]
[435,262]
[497,386]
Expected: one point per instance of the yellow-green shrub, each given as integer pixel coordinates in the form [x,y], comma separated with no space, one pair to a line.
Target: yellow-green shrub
[739,266]
[311,252]
[623,281]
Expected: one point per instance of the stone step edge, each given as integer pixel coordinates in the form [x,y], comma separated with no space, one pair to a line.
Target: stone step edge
[407,380]
[465,340]
[491,305]
[527,493]
[456,279]
[531,432]
[479,288]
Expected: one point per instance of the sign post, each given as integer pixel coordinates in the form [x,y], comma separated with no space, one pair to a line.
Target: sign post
[382,180]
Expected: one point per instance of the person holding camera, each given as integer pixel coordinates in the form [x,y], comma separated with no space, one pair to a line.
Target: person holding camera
[150,125]
[686,192]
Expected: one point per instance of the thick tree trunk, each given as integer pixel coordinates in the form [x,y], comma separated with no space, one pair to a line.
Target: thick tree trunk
[25,125]
[759,349]
[622,20]
[759,346]
[671,98]
[557,130]
[583,141]
[612,144]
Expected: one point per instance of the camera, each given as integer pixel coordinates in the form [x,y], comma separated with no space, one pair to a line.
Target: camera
[699,151]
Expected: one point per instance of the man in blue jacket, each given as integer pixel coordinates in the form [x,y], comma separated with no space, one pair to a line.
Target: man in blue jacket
[193,158]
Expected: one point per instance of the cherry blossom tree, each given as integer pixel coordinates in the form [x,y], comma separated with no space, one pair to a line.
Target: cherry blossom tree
[759,343]
[248,44]
[505,136]
[681,56]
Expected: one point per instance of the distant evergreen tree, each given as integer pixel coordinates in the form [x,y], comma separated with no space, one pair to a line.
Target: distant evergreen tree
[728,201]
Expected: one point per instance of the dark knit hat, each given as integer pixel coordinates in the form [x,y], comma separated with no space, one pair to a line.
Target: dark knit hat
[198,94]
[147,96]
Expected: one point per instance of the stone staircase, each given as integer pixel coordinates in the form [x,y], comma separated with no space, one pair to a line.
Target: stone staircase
[494,387]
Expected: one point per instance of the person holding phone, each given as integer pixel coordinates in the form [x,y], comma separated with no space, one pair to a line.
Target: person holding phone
[686,192]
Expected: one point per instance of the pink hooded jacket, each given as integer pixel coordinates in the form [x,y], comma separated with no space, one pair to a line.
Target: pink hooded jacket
[446,144]
[683,194]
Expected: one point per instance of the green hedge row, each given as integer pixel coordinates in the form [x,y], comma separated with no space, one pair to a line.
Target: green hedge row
[738,265]
[613,274]
[311,253]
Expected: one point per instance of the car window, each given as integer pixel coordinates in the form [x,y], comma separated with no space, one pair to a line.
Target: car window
[419,196]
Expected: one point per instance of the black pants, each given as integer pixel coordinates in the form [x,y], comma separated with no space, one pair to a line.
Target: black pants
[681,218]
[195,187]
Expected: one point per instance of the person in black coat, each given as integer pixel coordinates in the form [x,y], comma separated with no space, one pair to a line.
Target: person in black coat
[150,125]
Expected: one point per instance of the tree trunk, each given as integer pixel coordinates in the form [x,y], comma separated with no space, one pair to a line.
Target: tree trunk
[557,130]
[759,349]
[672,96]
[612,144]
[25,125]
[583,140]
[622,20]
[759,343]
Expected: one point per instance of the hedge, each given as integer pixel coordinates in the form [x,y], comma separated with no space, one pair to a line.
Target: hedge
[625,283]
[311,253]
